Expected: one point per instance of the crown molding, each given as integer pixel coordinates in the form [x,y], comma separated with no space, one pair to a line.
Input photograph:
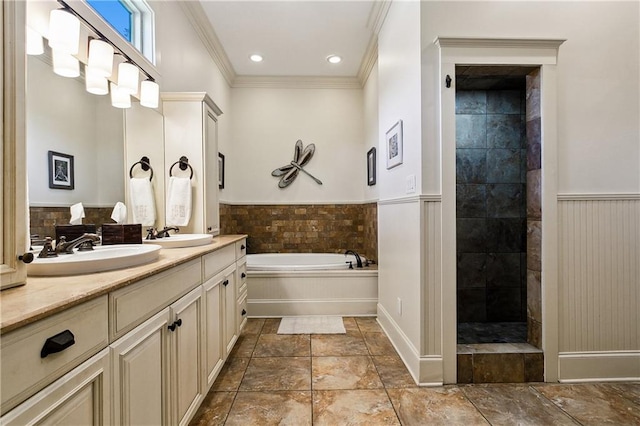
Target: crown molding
[296,82]
[544,43]
[198,18]
[376,19]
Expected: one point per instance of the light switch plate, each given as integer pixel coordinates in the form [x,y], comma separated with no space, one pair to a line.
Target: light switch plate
[411,184]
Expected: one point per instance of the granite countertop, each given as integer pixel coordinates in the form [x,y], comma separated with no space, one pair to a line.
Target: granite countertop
[45,296]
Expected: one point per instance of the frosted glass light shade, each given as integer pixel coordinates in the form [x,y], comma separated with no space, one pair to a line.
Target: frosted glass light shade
[128,76]
[94,82]
[64,31]
[119,98]
[35,44]
[101,57]
[65,65]
[149,94]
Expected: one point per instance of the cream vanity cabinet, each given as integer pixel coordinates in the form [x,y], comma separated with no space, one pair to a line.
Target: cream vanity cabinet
[157,365]
[191,131]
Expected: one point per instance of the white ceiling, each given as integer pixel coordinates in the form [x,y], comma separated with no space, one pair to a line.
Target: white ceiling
[294,37]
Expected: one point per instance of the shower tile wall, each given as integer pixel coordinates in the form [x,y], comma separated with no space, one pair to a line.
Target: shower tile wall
[319,228]
[491,167]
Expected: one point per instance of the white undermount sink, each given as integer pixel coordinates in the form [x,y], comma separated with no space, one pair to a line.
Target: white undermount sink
[182,240]
[101,258]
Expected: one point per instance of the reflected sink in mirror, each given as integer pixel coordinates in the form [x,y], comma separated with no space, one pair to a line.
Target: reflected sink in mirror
[102,258]
[182,240]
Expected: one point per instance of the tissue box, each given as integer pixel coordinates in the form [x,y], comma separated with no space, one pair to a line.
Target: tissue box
[113,233]
[71,232]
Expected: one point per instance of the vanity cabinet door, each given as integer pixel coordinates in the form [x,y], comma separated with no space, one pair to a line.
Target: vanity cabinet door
[213,327]
[140,363]
[80,397]
[186,334]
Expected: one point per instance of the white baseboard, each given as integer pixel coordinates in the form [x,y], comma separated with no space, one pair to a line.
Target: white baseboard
[577,367]
[425,370]
[284,308]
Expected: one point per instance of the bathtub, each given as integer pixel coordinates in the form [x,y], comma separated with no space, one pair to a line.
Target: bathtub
[290,284]
[300,261]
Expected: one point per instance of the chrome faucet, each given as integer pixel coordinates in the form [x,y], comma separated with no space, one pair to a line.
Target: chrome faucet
[164,233]
[85,240]
[356,255]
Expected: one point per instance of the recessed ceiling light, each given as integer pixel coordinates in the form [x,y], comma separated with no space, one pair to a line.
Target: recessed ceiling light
[334,59]
[256,58]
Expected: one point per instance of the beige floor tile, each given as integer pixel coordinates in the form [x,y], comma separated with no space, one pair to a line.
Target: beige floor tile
[592,404]
[631,391]
[231,375]
[393,372]
[337,345]
[280,373]
[434,406]
[214,409]
[244,346]
[512,404]
[271,326]
[368,325]
[270,345]
[271,408]
[351,326]
[253,326]
[349,372]
[353,407]
[379,344]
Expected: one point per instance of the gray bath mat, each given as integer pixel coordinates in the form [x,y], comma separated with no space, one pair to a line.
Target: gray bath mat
[311,325]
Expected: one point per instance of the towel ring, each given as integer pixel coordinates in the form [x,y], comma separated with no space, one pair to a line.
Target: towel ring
[144,164]
[183,164]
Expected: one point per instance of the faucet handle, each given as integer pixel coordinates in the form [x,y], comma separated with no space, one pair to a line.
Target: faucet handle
[151,233]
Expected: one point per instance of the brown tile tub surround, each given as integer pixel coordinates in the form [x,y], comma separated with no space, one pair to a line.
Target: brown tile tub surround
[44,219]
[317,228]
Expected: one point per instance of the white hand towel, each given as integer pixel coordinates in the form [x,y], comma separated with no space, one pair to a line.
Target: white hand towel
[77,214]
[143,205]
[178,201]
[119,213]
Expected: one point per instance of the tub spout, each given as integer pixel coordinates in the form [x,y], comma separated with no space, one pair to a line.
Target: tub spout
[356,255]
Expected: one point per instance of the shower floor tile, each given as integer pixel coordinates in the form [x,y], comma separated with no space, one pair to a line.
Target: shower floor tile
[492,332]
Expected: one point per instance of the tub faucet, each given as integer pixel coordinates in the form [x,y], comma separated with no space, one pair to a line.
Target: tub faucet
[356,255]
[164,233]
[84,242]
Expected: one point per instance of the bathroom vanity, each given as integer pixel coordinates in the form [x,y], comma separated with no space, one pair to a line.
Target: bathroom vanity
[136,345]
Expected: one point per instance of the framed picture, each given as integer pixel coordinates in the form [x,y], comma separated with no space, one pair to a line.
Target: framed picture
[394,145]
[371,166]
[220,171]
[61,174]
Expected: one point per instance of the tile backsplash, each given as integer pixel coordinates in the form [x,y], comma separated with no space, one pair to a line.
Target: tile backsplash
[44,219]
[318,228]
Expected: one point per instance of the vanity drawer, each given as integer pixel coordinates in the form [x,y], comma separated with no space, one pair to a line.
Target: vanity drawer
[218,260]
[242,313]
[241,248]
[25,371]
[132,305]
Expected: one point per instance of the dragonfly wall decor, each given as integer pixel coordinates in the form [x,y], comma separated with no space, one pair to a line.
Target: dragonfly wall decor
[289,172]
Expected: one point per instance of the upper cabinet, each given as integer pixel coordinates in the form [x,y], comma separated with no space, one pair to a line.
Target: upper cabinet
[12,173]
[191,131]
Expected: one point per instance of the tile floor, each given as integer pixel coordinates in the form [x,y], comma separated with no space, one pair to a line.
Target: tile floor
[358,378]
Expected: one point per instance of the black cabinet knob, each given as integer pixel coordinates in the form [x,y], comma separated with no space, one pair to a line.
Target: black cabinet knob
[242,247]
[244,312]
[225,283]
[243,275]
[176,323]
[26,258]
[57,343]
[179,322]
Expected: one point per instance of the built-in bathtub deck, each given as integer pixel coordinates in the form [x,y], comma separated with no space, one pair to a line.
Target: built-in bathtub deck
[347,292]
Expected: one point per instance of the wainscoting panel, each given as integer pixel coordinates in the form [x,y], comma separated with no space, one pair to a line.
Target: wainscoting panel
[599,274]
[432,334]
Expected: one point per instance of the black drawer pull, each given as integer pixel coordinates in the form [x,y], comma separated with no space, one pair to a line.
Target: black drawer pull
[175,324]
[242,247]
[57,343]
[225,283]
[243,275]
[244,312]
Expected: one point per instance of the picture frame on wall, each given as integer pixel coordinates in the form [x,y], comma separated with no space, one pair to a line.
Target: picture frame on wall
[394,145]
[371,167]
[61,171]
[220,171]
